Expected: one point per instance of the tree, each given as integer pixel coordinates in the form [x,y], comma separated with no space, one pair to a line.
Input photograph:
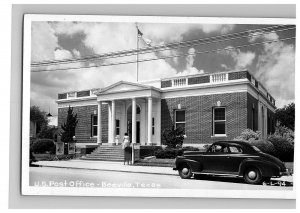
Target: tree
[39,117]
[48,132]
[173,137]
[286,116]
[69,126]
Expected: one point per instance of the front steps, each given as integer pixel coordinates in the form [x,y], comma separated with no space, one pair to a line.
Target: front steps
[106,153]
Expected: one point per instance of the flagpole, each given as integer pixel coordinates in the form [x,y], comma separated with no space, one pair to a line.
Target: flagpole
[137,55]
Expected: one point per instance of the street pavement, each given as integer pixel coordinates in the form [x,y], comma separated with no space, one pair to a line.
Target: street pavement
[59,177]
[115,174]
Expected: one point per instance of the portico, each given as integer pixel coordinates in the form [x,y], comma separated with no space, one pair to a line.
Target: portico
[132,108]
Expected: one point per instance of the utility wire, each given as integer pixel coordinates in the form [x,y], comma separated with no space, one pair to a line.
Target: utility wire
[171,56]
[169,46]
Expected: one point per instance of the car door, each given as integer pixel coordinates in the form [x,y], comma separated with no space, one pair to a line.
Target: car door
[234,159]
[214,159]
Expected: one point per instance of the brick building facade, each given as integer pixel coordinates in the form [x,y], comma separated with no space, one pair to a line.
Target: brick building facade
[208,107]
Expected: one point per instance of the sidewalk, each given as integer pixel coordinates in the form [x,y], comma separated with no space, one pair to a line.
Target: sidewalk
[107,166]
[119,167]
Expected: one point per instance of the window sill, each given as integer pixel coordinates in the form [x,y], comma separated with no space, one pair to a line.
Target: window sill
[219,136]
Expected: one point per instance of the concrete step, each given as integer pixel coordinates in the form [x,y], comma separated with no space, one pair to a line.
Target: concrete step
[102,159]
[106,153]
[106,156]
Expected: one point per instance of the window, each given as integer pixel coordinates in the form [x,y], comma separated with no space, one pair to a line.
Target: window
[117,127]
[153,130]
[219,120]
[94,125]
[180,119]
[234,149]
[215,148]
[253,118]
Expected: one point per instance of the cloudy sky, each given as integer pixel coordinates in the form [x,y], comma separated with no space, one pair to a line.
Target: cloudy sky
[273,63]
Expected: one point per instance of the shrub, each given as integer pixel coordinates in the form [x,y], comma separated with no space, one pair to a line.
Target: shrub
[284,132]
[248,134]
[189,148]
[146,151]
[43,146]
[284,149]
[264,146]
[171,153]
[173,137]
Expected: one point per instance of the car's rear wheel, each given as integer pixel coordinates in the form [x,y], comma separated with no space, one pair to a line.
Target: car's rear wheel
[185,171]
[253,175]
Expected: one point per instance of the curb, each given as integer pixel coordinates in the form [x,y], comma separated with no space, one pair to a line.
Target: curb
[113,170]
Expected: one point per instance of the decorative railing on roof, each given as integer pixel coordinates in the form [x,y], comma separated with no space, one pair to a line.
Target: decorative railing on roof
[77,94]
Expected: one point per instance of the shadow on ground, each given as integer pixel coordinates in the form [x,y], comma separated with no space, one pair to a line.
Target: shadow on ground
[241,180]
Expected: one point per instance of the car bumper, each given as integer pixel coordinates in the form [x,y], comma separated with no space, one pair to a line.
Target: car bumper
[287,172]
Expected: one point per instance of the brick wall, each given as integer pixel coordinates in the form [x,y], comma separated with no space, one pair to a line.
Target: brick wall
[199,80]
[199,115]
[167,83]
[83,130]
[239,75]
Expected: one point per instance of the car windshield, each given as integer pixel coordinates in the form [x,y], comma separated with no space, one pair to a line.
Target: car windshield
[256,149]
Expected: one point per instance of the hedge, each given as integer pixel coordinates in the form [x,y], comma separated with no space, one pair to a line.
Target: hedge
[284,149]
[170,153]
[43,146]
[264,146]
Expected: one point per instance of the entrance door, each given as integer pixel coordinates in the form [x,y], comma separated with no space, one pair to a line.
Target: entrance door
[129,123]
[129,131]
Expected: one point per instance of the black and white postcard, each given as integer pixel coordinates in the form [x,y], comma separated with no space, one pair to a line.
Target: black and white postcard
[158,106]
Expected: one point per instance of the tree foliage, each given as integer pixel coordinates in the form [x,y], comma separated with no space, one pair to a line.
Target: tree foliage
[48,132]
[286,116]
[39,117]
[69,126]
[173,137]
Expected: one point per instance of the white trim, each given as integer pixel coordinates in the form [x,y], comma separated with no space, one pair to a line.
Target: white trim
[180,122]
[205,85]
[76,99]
[213,127]
[219,135]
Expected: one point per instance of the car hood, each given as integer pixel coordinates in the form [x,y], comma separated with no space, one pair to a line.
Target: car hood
[273,159]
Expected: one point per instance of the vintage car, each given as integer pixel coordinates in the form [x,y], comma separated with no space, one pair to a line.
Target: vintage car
[233,159]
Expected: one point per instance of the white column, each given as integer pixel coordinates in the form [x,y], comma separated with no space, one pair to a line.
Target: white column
[259,118]
[149,126]
[133,131]
[113,121]
[158,123]
[266,121]
[109,123]
[99,127]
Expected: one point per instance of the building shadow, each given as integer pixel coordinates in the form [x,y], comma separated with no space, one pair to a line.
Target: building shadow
[241,180]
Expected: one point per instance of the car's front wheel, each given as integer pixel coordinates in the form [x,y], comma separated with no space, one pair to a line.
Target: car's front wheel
[185,171]
[253,175]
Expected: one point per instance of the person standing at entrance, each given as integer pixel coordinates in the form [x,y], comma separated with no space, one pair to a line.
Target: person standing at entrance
[127,149]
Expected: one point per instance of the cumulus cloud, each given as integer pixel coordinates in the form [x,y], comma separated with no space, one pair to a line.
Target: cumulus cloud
[43,41]
[175,32]
[241,59]
[276,68]
[190,69]
[60,54]
[103,38]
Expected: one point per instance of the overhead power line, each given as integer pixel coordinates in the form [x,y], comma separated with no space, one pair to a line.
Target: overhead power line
[171,56]
[176,45]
